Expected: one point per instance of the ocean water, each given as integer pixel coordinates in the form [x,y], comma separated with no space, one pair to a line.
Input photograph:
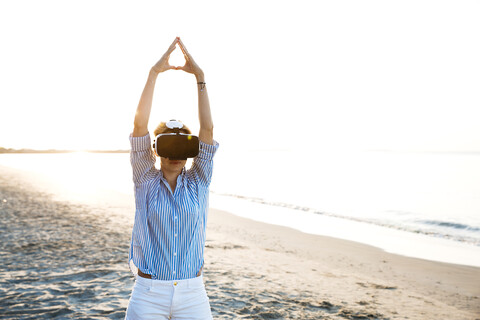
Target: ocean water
[425,205]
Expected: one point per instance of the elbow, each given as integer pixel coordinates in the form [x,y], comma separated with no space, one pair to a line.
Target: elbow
[138,123]
[206,135]
[139,129]
[208,128]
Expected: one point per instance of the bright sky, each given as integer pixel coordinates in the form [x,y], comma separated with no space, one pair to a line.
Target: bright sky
[402,75]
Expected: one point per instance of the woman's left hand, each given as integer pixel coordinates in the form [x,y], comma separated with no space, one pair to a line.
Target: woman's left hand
[190,65]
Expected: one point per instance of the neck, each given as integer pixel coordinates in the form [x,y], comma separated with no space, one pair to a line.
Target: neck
[171,177]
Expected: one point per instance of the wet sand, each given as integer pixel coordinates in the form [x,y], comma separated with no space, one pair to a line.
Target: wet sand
[67,260]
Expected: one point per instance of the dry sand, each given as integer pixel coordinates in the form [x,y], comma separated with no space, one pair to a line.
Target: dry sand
[267,271]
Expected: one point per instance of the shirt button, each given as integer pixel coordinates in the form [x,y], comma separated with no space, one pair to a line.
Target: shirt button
[176,235]
[173,271]
[174,253]
[175,217]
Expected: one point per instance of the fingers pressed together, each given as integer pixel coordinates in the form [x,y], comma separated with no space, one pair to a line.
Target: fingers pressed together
[190,65]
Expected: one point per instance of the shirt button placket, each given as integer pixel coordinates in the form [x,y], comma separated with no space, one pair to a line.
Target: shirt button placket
[175,242]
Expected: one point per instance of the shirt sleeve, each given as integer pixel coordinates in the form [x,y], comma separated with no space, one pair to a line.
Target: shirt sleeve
[202,167]
[142,159]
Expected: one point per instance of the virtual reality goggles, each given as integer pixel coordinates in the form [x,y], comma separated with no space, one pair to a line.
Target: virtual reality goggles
[176,145]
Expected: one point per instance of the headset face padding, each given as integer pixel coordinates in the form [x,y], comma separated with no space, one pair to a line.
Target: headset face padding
[176,146]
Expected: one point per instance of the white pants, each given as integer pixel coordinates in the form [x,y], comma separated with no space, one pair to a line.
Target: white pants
[158,299]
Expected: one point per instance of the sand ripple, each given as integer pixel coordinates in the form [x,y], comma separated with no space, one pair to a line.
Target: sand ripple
[60,260]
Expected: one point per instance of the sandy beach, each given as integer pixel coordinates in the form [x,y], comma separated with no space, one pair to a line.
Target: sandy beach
[69,260]
[285,274]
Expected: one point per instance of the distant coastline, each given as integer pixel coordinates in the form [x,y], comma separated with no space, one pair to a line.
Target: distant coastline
[466,152]
[9,150]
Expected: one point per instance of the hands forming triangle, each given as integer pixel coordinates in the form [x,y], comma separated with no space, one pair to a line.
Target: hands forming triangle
[190,65]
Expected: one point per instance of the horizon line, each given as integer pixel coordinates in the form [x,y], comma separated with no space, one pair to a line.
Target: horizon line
[28,150]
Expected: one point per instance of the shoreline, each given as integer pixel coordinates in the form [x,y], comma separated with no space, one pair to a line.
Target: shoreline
[339,276]
[393,240]
[56,177]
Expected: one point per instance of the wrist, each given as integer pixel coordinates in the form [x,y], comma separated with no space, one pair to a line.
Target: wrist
[200,77]
[154,72]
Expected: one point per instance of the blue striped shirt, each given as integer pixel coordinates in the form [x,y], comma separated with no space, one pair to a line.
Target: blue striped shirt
[168,236]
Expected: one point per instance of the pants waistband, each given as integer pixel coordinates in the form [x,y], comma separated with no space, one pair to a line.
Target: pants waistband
[148,276]
[186,283]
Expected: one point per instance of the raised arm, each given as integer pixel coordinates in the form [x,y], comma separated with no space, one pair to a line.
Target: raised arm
[204,113]
[140,124]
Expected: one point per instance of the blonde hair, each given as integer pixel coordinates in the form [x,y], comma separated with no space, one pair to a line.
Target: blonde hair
[162,128]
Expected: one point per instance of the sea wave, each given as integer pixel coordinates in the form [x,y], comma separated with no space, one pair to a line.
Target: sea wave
[454,225]
[441,229]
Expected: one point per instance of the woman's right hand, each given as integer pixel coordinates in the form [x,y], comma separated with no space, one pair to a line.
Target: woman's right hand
[163,64]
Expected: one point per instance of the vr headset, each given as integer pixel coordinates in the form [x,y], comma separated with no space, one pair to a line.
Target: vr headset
[176,145]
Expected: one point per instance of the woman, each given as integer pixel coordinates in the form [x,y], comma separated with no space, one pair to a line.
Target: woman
[168,237]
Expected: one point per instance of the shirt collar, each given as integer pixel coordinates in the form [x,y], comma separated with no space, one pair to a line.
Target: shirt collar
[180,178]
